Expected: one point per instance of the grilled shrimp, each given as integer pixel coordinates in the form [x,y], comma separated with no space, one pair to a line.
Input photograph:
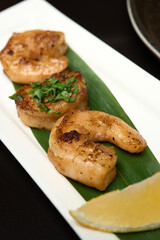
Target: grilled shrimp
[30,113]
[34,55]
[73,150]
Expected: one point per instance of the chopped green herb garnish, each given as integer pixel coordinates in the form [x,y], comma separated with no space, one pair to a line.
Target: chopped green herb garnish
[16,97]
[52,90]
[44,108]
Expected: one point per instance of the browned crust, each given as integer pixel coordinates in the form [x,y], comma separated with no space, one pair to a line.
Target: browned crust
[32,116]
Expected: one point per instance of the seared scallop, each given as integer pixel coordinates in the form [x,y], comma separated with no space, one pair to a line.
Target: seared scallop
[42,113]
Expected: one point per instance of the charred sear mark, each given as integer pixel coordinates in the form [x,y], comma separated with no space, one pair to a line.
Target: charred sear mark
[69,136]
[88,143]
[36,59]
[10,52]
[64,121]
[24,104]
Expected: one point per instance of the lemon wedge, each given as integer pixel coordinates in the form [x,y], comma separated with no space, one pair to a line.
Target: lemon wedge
[135,208]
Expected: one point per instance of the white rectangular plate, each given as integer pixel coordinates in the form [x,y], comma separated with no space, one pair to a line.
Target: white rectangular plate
[136,91]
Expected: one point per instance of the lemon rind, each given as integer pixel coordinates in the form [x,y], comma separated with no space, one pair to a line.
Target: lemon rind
[77,215]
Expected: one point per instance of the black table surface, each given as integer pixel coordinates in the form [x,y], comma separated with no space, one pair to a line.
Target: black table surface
[25,212]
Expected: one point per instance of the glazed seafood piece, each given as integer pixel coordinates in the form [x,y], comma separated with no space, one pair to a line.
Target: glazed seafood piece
[34,55]
[73,150]
[41,111]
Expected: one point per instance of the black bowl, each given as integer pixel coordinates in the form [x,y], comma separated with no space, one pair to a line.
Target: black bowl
[145,18]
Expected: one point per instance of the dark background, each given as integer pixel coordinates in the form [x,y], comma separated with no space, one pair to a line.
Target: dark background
[25,212]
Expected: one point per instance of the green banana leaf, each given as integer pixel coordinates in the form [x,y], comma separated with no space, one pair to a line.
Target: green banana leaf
[131,167]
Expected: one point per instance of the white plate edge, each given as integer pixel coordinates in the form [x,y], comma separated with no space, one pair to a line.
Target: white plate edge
[42,1]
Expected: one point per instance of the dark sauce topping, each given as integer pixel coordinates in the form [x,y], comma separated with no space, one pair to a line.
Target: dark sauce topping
[69,136]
